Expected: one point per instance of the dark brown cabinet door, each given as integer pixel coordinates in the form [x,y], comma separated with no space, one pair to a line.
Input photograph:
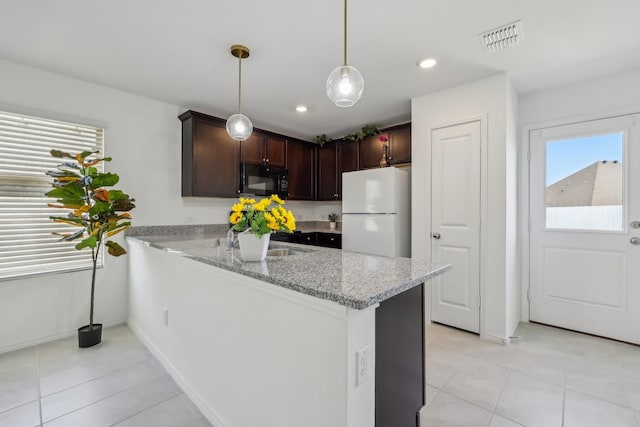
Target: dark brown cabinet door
[252,149]
[327,168]
[400,145]
[210,158]
[302,171]
[347,162]
[276,151]
[371,151]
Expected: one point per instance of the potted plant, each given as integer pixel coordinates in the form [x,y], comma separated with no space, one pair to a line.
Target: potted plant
[256,221]
[333,217]
[97,212]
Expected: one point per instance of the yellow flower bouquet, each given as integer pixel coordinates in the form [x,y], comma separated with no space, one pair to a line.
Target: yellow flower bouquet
[263,217]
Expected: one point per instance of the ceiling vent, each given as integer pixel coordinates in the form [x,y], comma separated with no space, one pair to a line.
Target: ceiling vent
[502,37]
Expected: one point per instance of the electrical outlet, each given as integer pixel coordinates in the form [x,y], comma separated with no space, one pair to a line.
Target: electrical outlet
[189,220]
[363,364]
[165,316]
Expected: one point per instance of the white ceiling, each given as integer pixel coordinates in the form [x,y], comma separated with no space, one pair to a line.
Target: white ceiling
[178,51]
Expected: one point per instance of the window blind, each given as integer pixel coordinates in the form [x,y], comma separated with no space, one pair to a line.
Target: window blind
[27,245]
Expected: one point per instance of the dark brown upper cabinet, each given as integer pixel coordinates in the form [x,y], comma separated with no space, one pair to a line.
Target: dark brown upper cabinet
[333,160]
[399,151]
[264,149]
[301,163]
[371,151]
[327,170]
[210,157]
[400,145]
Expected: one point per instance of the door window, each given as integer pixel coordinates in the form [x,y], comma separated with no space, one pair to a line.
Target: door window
[585,183]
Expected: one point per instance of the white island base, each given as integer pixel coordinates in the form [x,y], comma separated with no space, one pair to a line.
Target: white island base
[249,353]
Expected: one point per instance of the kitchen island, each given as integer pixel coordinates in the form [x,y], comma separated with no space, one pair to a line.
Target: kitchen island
[319,337]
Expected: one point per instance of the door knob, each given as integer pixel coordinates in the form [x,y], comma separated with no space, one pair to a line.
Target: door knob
[635,224]
[436,236]
[635,240]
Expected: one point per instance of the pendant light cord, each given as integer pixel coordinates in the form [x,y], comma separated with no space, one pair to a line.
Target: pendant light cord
[240,85]
[345,32]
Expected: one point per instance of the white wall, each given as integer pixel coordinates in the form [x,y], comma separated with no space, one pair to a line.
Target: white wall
[143,137]
[603,97]
[494,99]
[513,219]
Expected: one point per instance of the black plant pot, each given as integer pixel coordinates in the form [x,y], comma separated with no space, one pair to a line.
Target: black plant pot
[89,336]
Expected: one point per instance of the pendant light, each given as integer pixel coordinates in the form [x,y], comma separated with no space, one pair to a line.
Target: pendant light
[239,127]
[345,84]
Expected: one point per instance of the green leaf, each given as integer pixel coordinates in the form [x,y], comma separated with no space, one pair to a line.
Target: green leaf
[71,203]
[69,190]
[100,207]
[86,154]
[104,180]
[92,172]
[61,154]
[117,195]
[114,249]
[89,242]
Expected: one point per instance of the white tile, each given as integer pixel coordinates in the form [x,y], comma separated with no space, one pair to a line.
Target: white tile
[114,409]
[582,410]
[71,399]
[429,393]
[440,363]
[18,378]
[546,366]
[477,381]
[530,401]
[498,354]
[598,379]
[64,365]
[457,340]
[449,411]
[498,421]
[23,416]
[173,412]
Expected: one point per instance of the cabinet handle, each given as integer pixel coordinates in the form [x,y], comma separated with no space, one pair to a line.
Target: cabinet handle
[238,191]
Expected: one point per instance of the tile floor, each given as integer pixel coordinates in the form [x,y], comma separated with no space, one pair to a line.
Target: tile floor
[117,383]
[548,377]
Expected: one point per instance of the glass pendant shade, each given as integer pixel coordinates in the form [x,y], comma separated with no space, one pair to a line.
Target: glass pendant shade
[345,86]
[239,127]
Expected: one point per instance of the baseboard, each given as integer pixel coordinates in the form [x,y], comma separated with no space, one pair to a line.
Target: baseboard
[195,397]
[49,338]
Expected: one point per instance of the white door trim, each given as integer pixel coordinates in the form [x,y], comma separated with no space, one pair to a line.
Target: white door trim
[484,208]
[525,186]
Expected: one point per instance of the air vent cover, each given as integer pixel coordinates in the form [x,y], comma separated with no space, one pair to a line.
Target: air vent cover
[502,37]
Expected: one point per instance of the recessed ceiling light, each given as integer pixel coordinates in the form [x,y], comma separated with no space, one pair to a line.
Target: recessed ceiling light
[427,63]
[301,109]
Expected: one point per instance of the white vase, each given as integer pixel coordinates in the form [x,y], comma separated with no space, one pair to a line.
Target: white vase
[332,225]
[253,248]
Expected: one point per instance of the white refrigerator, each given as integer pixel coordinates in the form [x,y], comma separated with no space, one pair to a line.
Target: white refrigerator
[376,212]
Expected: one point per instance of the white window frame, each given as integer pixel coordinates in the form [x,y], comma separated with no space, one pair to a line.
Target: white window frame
[27,245]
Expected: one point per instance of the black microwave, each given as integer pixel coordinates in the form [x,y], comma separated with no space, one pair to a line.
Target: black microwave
[263,180]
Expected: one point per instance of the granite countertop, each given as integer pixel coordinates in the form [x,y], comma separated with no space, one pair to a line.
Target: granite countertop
[348,278]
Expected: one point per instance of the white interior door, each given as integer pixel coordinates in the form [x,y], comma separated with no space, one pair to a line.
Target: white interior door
[455,224]
[585,229]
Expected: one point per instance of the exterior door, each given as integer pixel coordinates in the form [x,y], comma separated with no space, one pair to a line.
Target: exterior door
[455,224]
[585,229]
